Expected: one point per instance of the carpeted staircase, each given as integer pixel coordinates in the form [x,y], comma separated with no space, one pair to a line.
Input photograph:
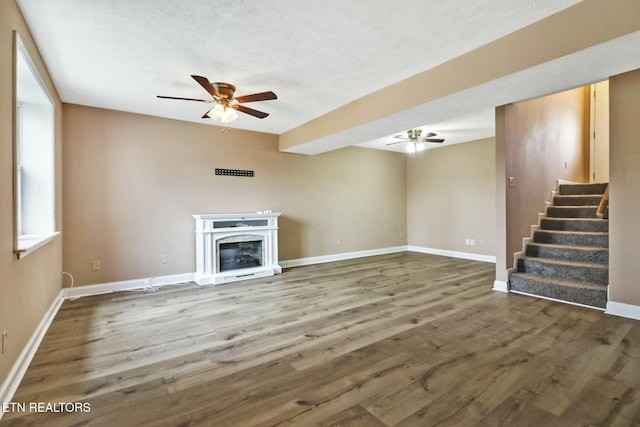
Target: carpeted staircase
[567,257]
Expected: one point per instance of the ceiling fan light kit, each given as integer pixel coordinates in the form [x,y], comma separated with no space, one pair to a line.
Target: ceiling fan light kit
[222,112]
[225,104]
[413,148]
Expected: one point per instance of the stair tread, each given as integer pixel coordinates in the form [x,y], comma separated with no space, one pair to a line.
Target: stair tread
[580,248]
[569,263]
[574,206]
[596,189]
[589,233]
[560,282]
[555,218]
[576,201]
[579,195]
[574,224]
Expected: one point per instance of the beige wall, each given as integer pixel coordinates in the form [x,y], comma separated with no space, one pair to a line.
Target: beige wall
[27,286]
[132,182]
[546,139]
[624,192]
[451,197]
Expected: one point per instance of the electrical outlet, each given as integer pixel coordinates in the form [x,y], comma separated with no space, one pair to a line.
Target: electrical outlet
[4,341]
[164,259]
[95,265]
[339,242]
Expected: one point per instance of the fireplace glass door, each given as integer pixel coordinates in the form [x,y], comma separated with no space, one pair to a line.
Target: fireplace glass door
[240,252]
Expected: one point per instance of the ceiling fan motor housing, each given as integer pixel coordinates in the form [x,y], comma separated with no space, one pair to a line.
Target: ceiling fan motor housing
[225,90]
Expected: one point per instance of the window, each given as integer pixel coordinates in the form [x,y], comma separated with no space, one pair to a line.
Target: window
[34,157]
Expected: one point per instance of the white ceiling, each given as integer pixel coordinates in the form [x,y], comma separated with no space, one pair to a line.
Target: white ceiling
[316,55]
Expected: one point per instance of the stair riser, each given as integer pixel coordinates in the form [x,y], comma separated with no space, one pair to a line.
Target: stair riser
[599,241]
[572,212]
[560,224]
[581,189]
[576,200]
[590,297]
[565,271]
[567,254]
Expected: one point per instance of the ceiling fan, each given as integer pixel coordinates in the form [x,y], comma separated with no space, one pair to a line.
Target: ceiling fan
[225,103]
[413,137]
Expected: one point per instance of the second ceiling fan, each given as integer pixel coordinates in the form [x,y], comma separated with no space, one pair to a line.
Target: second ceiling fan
[413,137]
[225,103]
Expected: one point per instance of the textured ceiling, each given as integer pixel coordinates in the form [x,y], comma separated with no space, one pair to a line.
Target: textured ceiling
[317,55]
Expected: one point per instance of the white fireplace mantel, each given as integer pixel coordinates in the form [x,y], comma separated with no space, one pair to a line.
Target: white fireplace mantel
[214,231]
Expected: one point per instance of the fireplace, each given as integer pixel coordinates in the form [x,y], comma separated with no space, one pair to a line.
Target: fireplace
[232,247]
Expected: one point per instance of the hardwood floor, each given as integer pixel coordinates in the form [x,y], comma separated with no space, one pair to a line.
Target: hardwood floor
[396,340]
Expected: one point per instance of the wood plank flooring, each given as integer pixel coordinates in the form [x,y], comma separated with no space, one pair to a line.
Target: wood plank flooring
[396,340]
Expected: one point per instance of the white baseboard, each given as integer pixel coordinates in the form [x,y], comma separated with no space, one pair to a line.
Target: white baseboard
[500,286]
[341,257]
[453,254]
[623,310]
[126,285]
[11,383]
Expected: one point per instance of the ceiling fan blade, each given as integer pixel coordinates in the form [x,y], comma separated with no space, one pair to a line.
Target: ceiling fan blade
[401,137]
[394,143]
[430,134]
[262,96]
[184,99]
[207,85]
[251,111]
[433,140]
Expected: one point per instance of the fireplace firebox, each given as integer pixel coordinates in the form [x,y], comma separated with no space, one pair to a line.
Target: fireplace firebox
[236,255]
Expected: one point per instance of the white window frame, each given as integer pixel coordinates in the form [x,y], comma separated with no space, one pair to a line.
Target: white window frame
[34,213]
